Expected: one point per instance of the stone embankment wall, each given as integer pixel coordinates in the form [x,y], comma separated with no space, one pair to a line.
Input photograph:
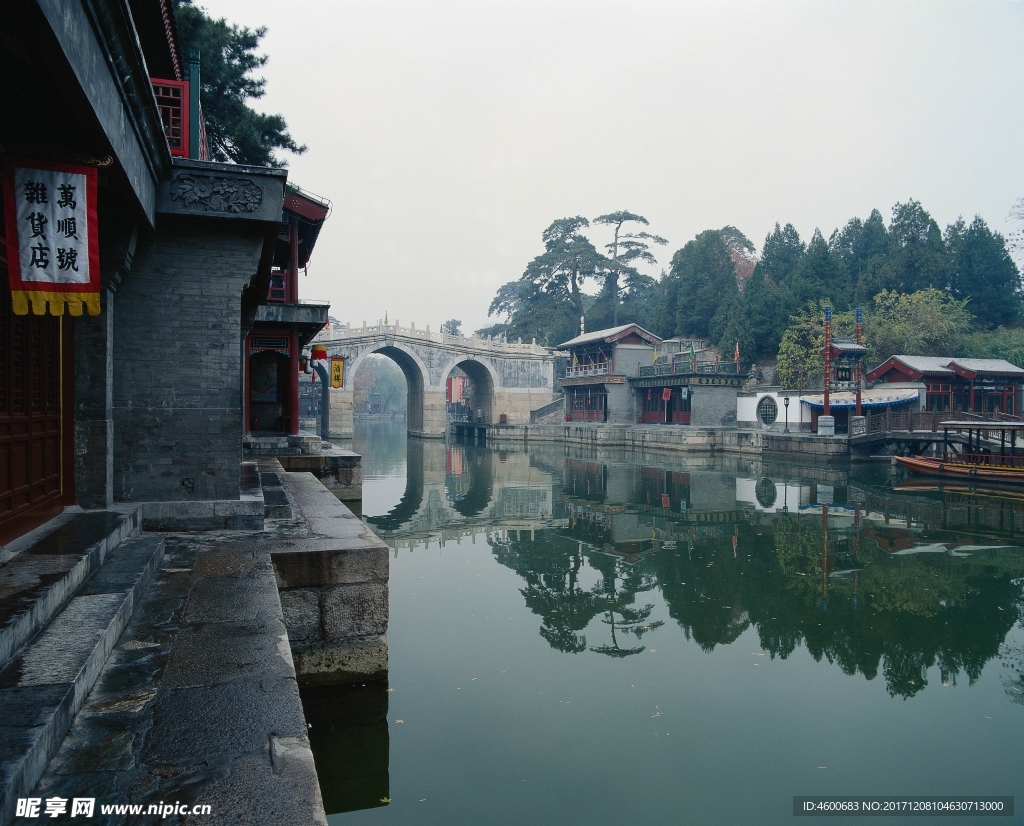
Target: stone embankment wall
[333,586]
[635,437]
[677,438]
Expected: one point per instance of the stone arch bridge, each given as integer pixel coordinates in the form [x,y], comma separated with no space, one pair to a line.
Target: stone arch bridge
[509,378]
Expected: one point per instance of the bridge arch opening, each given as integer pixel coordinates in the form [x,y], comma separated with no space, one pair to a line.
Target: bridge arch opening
[469,393]
[412,371]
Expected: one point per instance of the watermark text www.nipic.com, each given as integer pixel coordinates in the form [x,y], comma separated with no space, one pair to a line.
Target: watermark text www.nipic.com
[35,807]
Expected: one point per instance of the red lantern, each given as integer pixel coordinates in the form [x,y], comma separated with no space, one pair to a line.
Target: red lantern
[319,352]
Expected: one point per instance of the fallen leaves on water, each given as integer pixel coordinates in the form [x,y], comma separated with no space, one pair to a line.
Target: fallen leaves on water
[654,650]
[385,800]
[472,676]
[399,721]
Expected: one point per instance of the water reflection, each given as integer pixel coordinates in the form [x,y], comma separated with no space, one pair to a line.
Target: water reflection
[349,737]
[876,580]
[708,618]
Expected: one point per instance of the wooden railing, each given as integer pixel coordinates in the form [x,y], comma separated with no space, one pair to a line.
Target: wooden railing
[992,459]
[588,370]
[929,420]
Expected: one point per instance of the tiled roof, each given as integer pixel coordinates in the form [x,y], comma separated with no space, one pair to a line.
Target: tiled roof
[609,335]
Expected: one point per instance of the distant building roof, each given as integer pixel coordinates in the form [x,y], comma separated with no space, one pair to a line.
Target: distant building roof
[612,334]
[1001,366]
[923,365]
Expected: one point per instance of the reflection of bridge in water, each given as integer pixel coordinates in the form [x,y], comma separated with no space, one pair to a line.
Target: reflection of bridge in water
[885,581]
[473,492]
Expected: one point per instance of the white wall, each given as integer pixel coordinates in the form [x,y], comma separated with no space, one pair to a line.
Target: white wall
[746,410]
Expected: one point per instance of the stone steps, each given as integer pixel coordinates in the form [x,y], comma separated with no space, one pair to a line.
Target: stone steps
[37,582]
[46,682]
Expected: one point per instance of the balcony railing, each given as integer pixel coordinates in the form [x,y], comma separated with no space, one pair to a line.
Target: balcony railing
[685,368]
[588,370]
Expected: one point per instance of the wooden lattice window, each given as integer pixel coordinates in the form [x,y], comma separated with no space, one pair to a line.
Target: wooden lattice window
[172,101]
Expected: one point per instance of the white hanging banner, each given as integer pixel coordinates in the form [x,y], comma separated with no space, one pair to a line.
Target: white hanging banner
[52,237]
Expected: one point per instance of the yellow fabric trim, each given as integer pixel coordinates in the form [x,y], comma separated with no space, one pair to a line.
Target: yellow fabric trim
[20,300]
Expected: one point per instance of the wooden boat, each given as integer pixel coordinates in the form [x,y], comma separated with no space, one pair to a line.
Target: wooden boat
[979,467]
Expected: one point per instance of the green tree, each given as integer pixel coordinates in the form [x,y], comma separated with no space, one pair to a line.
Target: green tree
[531,311]
[928,322]
[917,249]
[625,249]
[800,364]
[925,323]
[861,250]
[451,327]
[984,273]
[818,274]
[235,132]
[782,253]
[568,261]
[758,323]
[702,278]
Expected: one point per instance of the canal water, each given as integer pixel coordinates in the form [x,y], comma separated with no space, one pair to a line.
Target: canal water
[603,637]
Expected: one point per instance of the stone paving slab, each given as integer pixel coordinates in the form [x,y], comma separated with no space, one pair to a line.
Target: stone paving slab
[47,683]
[199,703]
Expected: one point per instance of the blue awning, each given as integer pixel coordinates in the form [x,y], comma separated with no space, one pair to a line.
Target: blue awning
[876,397]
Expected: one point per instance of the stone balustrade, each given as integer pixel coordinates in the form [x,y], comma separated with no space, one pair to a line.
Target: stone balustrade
[424,334]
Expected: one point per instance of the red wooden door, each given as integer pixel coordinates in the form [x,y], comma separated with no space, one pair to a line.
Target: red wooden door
[30,415]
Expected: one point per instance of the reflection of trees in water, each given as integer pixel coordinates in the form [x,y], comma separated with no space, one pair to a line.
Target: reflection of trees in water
[550,566]
[910,613]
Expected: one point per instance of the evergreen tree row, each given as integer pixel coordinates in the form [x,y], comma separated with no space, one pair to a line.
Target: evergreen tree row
[718,288]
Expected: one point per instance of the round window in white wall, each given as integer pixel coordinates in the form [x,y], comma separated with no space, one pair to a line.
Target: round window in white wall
[767,411]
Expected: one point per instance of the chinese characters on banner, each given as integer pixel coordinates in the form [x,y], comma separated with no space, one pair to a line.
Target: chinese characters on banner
[52,232]
[337,371]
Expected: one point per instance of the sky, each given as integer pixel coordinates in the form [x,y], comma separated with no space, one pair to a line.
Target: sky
[449,134]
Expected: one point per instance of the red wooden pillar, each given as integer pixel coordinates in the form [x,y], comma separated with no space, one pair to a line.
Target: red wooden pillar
[293,382]
[970,402]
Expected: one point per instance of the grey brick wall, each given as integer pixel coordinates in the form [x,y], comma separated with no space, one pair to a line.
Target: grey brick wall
[177,382]
[712,406]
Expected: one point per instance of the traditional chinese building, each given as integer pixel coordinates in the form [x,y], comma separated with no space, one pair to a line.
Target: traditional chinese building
[283,326]
[623,376]
[595,385]
[956,384]
[134,271]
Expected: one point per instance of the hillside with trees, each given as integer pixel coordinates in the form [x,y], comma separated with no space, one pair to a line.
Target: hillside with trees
[924,290]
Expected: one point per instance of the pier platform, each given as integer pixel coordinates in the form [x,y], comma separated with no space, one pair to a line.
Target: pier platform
[161,669]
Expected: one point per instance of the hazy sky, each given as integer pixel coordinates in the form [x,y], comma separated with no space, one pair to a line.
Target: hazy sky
[448,135]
